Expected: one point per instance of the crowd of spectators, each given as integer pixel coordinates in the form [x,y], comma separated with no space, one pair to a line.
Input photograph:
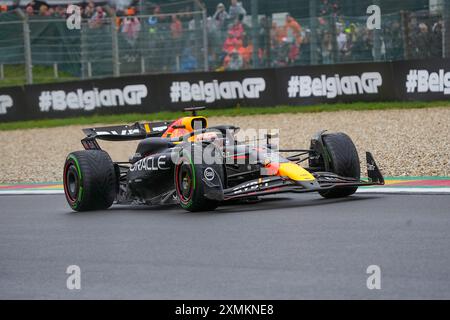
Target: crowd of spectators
[173,39]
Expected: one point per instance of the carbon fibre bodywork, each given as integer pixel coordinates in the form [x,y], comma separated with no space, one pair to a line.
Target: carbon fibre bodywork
[246,171]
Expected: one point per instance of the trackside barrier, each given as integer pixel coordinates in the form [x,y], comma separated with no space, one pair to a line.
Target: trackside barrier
[382,81]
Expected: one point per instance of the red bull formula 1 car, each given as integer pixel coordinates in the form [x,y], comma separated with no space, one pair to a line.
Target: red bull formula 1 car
[200,167]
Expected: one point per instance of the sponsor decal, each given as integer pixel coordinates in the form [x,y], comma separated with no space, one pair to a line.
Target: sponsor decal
[124,132]
[151,164]
[252,186]
[159,129]
[5,103]
[423,81]
[60,100]
[331,87]
[209,92]
[209,174]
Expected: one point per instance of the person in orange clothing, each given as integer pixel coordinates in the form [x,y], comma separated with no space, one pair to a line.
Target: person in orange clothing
[246,53]
[131,11]
[293,30]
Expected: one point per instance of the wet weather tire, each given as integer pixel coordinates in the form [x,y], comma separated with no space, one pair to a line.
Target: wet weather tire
[89,180]
[344,161]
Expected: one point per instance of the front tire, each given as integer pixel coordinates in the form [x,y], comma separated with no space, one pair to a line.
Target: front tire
[189,185]
[344,161]
[89,180]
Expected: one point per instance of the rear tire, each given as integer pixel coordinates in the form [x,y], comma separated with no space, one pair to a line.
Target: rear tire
[344,161]
[89,180]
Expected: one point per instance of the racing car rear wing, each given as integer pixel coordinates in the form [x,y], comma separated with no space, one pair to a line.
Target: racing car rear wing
[128,132]
[137,131]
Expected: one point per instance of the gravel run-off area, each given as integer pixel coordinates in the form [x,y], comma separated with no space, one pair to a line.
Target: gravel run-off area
[414,142]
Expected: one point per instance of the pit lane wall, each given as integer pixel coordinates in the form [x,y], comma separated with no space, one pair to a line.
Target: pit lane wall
[303,85]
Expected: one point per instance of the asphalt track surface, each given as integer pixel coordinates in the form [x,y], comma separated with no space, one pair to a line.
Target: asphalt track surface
[287,247]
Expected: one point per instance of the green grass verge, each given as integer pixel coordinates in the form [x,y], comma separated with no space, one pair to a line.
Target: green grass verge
[15,75]
[235,111]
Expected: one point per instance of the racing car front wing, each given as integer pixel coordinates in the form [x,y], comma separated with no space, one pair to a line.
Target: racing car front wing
[278,184]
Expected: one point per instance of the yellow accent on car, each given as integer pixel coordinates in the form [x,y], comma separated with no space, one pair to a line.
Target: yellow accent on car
[294,172]
[188,122]
[147,128]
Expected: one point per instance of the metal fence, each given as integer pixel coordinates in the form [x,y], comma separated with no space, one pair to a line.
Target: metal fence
[185,41]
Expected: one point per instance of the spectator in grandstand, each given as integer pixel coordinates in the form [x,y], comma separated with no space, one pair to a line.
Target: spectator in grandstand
[293,30]
[436,40]
[29,10]
[422,42]
[327,48]
[234,61]
[329,7]
[348,42]
[394,41]
[60,12]
[263,39]
[160,41]
[217,27]
[3,8]
[130,29]
[51,12]
[367,48]
[237,29]
[89,10]
[188,62]
[276,34]
[291,34]
[176,29]
[341,40]
[231,43]
[43,10]
[236,10]
[281,53]
[220,17]
[98,18]
[246,52]
[305,48]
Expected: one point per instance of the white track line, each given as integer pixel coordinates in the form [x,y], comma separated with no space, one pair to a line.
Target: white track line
[25,192]
[397,190]
[403,190]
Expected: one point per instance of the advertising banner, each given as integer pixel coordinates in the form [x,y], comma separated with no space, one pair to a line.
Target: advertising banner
[302,85]
[12,104]
[422,79]
[335,83]
[83,98]
[218,89]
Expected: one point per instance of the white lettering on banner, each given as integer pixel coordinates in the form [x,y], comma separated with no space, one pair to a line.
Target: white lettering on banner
[60,100]
[331,87]
[424,81]
[209,92]
[5,102]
